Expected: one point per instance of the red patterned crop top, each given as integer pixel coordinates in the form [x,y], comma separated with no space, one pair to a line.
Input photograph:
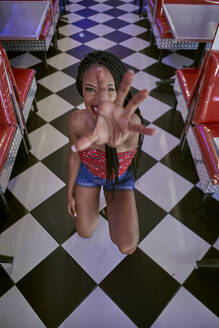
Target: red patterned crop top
[95,161]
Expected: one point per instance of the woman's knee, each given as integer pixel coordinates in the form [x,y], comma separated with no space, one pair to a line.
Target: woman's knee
[86,230]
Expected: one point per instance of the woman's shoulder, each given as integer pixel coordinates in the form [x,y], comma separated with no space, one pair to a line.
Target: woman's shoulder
[76,117]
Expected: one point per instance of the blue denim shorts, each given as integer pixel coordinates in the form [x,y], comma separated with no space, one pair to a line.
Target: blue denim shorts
[87,179]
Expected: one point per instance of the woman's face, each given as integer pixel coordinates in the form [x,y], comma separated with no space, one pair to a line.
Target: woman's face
[90,89]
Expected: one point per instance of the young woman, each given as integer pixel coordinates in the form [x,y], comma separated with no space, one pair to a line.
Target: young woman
[105,140]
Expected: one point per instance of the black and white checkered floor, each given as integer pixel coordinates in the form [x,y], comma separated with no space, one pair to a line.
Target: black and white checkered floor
[61,280]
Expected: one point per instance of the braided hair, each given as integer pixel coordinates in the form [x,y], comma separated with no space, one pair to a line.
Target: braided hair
[117,69]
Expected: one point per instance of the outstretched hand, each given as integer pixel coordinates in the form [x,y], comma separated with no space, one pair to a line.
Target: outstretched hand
[114,122]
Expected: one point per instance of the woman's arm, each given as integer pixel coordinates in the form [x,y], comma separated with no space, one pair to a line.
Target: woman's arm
[73,165]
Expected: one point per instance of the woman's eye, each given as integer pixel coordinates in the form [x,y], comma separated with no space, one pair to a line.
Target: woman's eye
[89,89]
[111,89]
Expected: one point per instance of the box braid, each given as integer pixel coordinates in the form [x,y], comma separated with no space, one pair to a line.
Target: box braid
[117,69]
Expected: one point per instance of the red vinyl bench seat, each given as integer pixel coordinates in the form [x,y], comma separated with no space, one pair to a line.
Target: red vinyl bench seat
[187,79]
[7,133]
[23,78]
[204,134]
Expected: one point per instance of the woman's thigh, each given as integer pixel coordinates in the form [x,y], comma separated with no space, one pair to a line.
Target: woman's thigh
[123,219]
[87,209]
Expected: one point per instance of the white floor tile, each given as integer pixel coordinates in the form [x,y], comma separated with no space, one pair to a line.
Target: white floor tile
[101,7]
[57,81]
[24,61]
[35,185]
[129,17]
[97,255]
[74,7]
[101,29]
[152,108]
[102,203]
[15,311]
[62,61]
[66,44]
[128,7]
[52,107]
[163,186]
[134,43]
[140,61]
[177,61]
[216,244]
[101,18]
[159,144]
[184,310]
[72,18]
[81,106]
[69,29]
[174,247]
[98,310]
[100,44]
[29,243]
[132,29]
[143,80]
[46,140]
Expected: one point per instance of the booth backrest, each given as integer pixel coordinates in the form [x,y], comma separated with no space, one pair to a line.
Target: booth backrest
[4,56]
[7,114]
[207,107]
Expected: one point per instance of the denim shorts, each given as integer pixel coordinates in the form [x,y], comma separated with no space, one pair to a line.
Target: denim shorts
[87,179]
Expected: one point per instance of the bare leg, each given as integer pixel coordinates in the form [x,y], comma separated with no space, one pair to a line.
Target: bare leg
[87,208]
[123,220]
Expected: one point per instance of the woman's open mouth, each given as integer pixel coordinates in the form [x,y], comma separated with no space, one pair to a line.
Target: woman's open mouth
[94,109]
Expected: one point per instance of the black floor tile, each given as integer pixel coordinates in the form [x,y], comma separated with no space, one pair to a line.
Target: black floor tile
[165,94]
[22,163]
[140,288]
[120,51]
[151,51]
[53,216]
[87,12]
[61,123]
[145,163]
[5,281]
[161,71]
[57,162]
[185,168]
[41,72]
[115,23]
[56,287]
[113,3]
[204,284]
[34,122]
[149,214]
[171,122]
[79,52]
[85,23]
[42,92]
[88,3]
[187,211]
[17,211]
[73,69]
[71,95]
[115,12]
[117,36]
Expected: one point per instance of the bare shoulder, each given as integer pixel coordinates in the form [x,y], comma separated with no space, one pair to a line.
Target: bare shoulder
[76,120]
[76,125]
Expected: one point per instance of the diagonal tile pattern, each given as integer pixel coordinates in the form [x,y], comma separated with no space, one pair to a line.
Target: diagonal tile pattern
[61,280]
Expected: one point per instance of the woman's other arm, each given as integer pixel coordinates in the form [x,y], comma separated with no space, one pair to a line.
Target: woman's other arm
[73,164]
